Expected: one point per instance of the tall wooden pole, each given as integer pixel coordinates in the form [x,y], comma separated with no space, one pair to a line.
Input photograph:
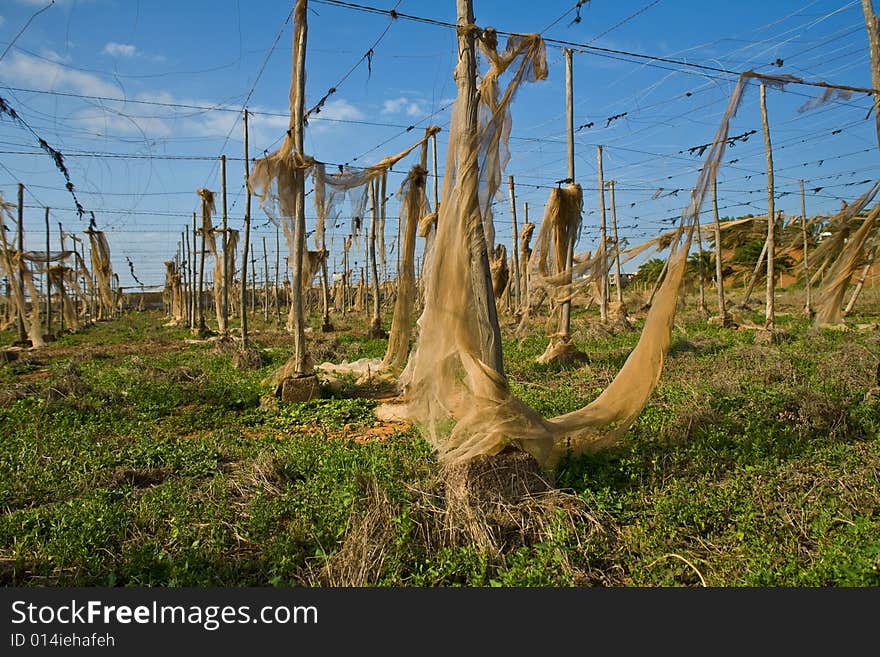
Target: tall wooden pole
[48,282]
[873,25]
[565,317]
[603,244]
[517,292]
[344,281]
[187,297]
[468,180]
[436,173]
[247,237]
[61,244]
[253,282]
[300,31]
[719,270]
[193,294]
[201,297]
[770,313]
[277,296]
[616,244]
[808,308]
[22,335]
[224,285]
[266,279]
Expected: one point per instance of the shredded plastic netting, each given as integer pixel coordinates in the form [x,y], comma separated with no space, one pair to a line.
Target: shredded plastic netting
[829,299]
[19,276]
[414,206]
[463,406]
[100,253]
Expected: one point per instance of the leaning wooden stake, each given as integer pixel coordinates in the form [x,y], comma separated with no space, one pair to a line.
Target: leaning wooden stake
[861,282]
[755,273]
[770,312]
[719,267]
[700,262]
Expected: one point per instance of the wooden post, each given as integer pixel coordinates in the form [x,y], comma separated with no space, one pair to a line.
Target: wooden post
[515,282]
[524,265]
[468,180]
[755,273]
[702,287]
[61,244]
[345,246]
[201,298]
[189,286]
[770,313]
[253,283]
[266,280]
[873,25]
[719,270]
[22,334]
[376,320]
[603,245]
[76,274]
[565,317]
[193,318]
[298,96]
[616,243]
[861,282]
[436,174]
[656,287]
[224,283]
[276,296]
[808,308]
[247,238]
[48,283]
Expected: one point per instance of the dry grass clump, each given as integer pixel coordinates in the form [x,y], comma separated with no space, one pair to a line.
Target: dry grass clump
[495,505]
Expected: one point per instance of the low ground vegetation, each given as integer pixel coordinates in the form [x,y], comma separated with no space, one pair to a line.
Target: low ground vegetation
[131,454]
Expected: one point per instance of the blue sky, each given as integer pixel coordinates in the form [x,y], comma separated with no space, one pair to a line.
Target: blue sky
[98,57]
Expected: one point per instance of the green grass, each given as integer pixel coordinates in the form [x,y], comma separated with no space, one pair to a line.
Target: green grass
[129,457]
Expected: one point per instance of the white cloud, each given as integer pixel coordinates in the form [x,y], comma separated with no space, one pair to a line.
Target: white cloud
[40,74]
[393,105]
[129,118]
[403,104]
[106,123]
[119,49]
[340,110]
[48,53]
[2,20]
